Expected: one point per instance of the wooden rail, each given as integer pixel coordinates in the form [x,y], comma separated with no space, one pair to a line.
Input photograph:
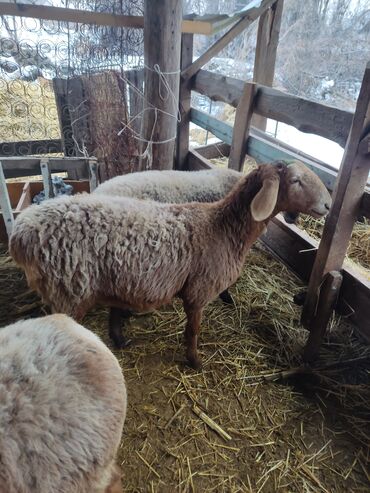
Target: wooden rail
[304,115]
[28,166]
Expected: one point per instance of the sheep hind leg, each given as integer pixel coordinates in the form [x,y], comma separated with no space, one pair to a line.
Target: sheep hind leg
[192,330]
[225,296]
[117,317]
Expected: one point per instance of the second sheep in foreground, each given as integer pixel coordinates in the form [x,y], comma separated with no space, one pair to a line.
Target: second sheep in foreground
[138,255]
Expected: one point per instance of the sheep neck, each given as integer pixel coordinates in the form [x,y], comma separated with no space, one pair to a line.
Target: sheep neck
[235,214]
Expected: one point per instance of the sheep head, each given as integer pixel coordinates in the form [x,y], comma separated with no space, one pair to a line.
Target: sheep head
[292,188]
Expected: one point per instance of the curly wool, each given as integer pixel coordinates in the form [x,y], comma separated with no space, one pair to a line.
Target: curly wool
[62,408]
[173,186]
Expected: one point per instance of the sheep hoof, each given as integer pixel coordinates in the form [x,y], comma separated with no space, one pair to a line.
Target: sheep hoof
[122,343]
[196,364]
[226,298]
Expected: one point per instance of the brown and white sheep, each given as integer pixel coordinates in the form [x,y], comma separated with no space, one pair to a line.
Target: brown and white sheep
[62,409]
[137,255]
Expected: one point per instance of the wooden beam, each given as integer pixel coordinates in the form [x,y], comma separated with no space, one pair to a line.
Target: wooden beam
[28,147]
[347,195]
[28,166]
[196,161]
[183,127]
[162,49]
[242,124]
[196,25]
[46,178]
[266,48]
[304,115]
[250,16]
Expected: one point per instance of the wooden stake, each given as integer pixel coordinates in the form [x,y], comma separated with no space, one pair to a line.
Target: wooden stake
[242,124]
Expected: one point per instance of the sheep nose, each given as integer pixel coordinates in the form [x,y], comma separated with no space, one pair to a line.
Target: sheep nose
[327,206]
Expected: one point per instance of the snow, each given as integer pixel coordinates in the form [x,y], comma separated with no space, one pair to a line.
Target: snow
[323,149]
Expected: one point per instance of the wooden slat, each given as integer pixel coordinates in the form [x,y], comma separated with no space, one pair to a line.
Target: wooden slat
[93,174]
[242,125]
[183,127]
[266,48]
[347,195]
[264,148]
[250,16]
[197,161]
[304,115]
[21,166]
[29,147]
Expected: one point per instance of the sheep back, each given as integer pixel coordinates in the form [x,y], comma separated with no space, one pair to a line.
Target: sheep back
[173,186]
[62,408]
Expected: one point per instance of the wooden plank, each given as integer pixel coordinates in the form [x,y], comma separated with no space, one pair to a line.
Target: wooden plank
[22,166]
[46,178]
[306,116]
[183,127]
[211,151]
[6,208]
[243,118]
[208,122]
[28,147]
[347,195]
[250,16]
[162,48]
[266,48]
[196,161]
[327,303]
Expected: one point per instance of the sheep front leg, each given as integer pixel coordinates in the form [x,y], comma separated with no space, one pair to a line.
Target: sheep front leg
[117,316]
[192,329]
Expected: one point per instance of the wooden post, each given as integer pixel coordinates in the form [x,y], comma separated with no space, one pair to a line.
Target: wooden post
[328,299]
[243,117]
[182,141]
[93,174]
[347,195]
[265,57]
[162,43]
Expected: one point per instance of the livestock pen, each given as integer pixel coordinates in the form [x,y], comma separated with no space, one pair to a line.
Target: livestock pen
[256,418]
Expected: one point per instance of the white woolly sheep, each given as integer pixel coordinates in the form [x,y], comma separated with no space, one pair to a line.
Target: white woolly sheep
[138,255]
[62,409]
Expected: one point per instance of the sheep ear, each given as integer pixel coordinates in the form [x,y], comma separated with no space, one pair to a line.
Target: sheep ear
[264,202]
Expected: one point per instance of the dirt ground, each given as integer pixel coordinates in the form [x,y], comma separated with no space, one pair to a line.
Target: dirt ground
[307,433]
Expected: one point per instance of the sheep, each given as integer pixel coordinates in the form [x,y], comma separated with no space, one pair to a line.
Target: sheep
[62,409]
[138,255]
[176,187]
[173,186]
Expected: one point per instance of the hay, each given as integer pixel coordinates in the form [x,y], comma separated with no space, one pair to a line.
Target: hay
[310,433]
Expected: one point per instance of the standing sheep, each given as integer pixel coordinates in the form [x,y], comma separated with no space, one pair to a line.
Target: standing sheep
[138,255]
[62,409]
